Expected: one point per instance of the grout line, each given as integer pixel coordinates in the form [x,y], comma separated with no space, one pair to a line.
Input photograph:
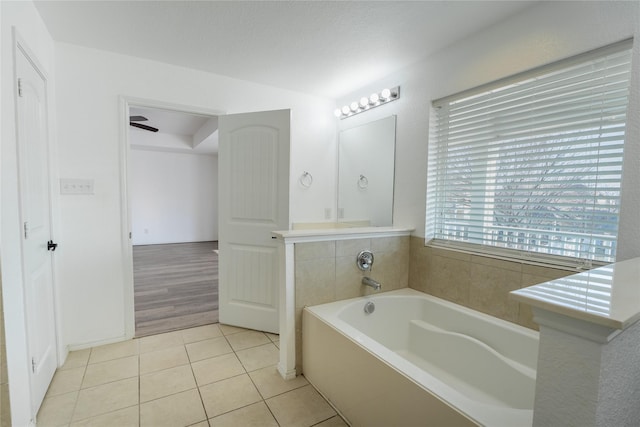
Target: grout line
[75,404]
[197,386]
[195,380]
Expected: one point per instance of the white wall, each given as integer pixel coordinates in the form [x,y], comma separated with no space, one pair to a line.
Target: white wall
[30,27]
[539,35]
[174,197]
[94,276]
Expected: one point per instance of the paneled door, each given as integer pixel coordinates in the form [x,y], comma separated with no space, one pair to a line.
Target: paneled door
[253,181]
[35,210]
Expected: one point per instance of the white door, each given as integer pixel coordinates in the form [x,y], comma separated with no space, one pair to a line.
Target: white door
[253,181]
[33,165]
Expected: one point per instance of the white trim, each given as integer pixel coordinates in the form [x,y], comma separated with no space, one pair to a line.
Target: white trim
[170,150]
[125,103]
[323,235]
[287,362]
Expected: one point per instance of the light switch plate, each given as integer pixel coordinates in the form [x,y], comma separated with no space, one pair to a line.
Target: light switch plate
[76,186]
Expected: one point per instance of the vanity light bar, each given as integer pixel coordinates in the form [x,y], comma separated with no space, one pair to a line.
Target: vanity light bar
[374,100]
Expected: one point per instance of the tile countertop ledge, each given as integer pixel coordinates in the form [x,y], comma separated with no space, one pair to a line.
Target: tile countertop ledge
[607,296]
[315,235]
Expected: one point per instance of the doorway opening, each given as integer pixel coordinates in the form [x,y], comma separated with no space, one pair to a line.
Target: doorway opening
[173,217]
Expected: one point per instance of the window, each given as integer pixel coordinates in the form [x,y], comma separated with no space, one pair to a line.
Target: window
[530,167]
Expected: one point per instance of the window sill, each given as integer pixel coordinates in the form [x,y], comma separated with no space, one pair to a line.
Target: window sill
[559,264]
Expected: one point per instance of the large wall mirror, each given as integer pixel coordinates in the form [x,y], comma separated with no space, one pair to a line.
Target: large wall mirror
[366,172]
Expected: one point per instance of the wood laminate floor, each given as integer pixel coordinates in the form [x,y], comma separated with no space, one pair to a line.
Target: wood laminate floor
[175,286]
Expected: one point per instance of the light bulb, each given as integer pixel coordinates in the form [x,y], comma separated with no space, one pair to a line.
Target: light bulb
[354,106]
[345,110]
[364,101]
[337,112]
[374,98]
[386,94]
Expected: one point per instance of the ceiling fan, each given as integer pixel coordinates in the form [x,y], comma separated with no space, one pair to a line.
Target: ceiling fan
[134,119]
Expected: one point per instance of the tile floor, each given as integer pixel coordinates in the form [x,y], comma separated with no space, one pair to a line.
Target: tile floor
[214,375]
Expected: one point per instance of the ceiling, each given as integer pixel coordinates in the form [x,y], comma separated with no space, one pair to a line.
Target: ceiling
[177,131]
[172,122]
[326,48]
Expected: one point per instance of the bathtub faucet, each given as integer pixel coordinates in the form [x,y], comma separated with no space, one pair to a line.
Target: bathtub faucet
[368,281]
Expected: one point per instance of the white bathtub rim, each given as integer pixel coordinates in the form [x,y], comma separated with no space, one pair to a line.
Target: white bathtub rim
[484,414]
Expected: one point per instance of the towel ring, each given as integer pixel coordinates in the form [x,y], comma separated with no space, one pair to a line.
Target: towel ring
[306,179]
[363,182]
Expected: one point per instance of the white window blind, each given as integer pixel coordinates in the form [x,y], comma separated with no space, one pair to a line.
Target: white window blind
[530,166]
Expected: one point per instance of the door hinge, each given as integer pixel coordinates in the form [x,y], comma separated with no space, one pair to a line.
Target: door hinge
[26,230]
[33,364]
[19,87]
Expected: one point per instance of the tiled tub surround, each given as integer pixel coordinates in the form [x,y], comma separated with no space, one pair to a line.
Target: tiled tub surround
[326,271]
[417,357]
[480,283]
[212,375]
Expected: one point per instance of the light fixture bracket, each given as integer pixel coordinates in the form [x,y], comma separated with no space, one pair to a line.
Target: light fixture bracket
[377,99]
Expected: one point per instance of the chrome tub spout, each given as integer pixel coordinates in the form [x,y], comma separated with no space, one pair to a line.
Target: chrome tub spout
[368,281]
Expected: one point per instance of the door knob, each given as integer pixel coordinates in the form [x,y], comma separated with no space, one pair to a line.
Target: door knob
[51,246]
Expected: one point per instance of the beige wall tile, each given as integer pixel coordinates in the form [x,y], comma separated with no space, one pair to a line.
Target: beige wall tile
[315,250]
[418,272]
[315,281]
[489,291]
[391,270]
[462,256]
[497,263]
[351,248]
[299,340]
[548,273]
[530,280]
[348,279]
[449,278]
[525,317]
[390,244]
[481,283]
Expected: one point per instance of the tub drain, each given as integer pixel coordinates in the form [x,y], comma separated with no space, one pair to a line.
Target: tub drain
[369,307]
